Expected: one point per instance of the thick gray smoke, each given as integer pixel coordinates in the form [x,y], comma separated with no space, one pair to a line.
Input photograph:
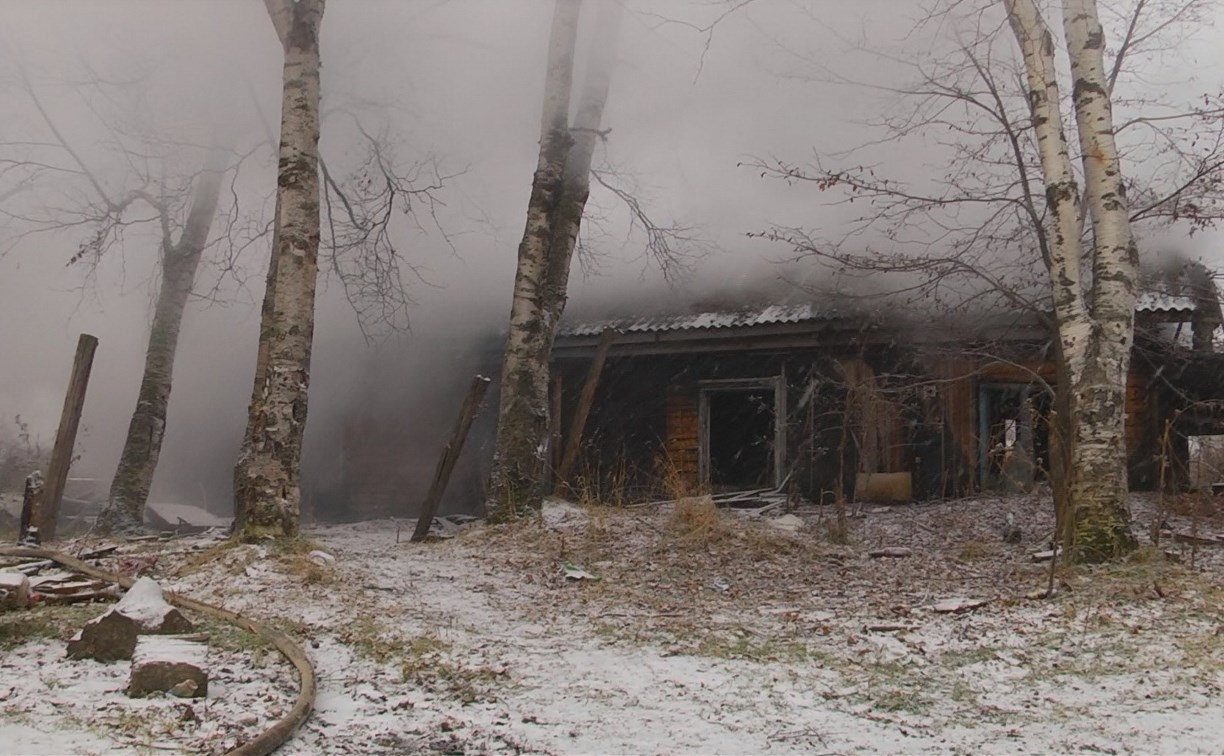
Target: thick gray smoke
[455,84]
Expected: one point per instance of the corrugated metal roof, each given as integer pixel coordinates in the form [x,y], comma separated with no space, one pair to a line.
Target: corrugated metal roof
[1148,301]
[1158,301]
[772,314]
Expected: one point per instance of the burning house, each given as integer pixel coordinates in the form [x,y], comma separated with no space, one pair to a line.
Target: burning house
[821,400]
[829,402]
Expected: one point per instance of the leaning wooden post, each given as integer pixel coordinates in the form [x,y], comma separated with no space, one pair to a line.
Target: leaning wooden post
[450,454]
[47,515]
[585,399]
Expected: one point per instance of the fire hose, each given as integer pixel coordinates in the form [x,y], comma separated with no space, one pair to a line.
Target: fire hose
[281,730]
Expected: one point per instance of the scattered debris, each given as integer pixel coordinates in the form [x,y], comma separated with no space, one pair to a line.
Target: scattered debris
[573,572]
[1045,556]
[99,553]
[760,500]
[891,552]
[33,568]
[788,522]
[71,588]
[959,604]
[14,590]
[1197,540]
[1011,532]
[138,564]
[321,558]
[887,627]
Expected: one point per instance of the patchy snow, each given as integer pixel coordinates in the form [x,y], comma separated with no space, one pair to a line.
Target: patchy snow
[187,514]
[168,648]
[52,705]
[144,603]
[746,639]
[558,511]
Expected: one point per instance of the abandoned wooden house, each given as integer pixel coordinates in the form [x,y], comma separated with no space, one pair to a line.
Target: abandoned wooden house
[829,403]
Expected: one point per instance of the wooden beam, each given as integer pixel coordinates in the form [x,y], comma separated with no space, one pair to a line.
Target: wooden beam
[450,454]
[574,443]
[554,426]
[47,516]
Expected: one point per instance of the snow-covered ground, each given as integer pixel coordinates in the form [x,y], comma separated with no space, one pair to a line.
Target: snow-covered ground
[731,636]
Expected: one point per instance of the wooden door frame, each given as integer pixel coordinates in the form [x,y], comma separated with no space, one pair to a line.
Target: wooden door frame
[777,385]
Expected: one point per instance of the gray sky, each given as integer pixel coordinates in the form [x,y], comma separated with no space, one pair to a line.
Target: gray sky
[460,81]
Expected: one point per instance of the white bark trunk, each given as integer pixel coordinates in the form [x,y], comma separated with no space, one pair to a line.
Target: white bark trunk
[1099,485]
[1094,340]
[520,472]
[520,456]
[1062,193]
[267,496]
[129,490]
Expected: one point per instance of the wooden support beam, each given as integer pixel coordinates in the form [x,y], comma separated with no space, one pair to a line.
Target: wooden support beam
[585,399]
[554,427]
[450,454]
[46,517]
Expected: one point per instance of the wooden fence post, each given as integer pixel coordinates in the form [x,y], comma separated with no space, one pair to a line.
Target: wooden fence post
[46,517]
[450,455]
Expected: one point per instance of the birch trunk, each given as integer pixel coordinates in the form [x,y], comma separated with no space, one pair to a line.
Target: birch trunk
[586,134]
[1094,341]
[1065,247]
[1099,486]
[129,491]
[267,495]
[520,471]
[520,456]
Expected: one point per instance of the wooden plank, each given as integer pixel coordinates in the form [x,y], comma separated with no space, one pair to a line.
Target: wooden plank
[585,399]
[554,425]
[450,454]
[47,516]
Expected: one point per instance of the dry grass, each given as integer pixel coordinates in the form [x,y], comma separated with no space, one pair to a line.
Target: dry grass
[45,622]
[308,571]
[231,552]
[1198,505]
[974,551]
[697,520]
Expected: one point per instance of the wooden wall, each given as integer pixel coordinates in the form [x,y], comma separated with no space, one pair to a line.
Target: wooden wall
[929,428]
[683,422]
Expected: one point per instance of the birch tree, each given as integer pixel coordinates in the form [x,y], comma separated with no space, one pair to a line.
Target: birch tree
[266,478]
[1002,223]
[559,191]
[113,194]
[1095,323]
[129,490]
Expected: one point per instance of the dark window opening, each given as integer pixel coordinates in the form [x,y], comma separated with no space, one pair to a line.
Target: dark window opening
[1014,435]
[741,437]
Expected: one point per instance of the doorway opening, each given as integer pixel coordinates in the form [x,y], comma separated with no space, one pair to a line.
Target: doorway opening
[742,443]
[1014,435]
